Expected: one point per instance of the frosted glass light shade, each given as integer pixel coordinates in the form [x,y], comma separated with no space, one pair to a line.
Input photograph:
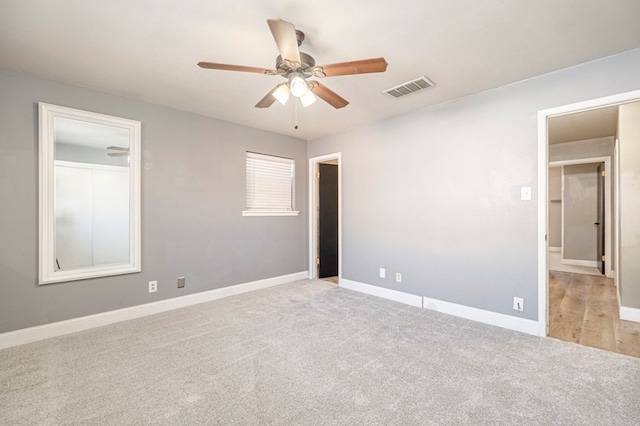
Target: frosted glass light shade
[282,93]
[308,98]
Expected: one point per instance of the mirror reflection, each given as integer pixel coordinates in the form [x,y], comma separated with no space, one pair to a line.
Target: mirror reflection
[89,205]
[91,174]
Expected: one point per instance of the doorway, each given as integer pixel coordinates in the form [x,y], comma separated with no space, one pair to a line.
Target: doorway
[328,221]
[544,118]
[580,208]
[325,218]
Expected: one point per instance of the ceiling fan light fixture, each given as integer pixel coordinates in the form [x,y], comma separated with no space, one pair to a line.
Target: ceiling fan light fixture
[297,85]
[308,98]
[282,93]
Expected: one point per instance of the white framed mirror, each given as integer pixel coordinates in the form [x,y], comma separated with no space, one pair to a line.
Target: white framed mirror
[89,194]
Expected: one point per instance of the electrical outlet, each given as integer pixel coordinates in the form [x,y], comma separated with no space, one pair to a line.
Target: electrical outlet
[181,282]
[383,273]
[153,286]
[518,304]
[398,277]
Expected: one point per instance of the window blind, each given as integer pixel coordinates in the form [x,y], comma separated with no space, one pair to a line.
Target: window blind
[269,183]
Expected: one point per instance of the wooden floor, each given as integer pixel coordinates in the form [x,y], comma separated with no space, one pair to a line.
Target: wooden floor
[584,309]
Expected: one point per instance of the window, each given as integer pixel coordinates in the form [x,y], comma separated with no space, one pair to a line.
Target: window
[270,186]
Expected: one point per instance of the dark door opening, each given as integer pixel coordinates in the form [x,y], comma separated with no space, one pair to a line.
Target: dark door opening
[328,221]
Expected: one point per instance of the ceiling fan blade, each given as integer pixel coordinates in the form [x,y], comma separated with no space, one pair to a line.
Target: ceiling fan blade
[355,67]
[229,67]
[118,148]
[268,99]
[327,95]
[117,154]
[284,34]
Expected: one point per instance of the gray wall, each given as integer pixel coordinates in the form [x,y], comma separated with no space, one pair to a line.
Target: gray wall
[629,136]
[590,148]
[435,194]
[193,189]
[580,207]
[555,206]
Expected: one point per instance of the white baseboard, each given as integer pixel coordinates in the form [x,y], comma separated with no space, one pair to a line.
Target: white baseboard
[480,315]
[385,293]
[556,249]
[576,262]
[474,314]
[629,314]
[46,331]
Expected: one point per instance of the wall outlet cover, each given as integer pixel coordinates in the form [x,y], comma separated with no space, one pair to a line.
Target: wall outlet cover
[518,304]
[181,282]
[153,286]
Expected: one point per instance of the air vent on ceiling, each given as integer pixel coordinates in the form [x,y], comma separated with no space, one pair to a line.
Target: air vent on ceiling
[410,87]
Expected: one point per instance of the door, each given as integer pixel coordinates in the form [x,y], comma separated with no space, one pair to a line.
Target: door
[328,221]
[600,220]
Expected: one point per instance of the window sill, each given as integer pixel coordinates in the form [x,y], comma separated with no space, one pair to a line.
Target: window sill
[266,213]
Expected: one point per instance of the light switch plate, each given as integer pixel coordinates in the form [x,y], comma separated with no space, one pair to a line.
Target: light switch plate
[383,273]
[525,193]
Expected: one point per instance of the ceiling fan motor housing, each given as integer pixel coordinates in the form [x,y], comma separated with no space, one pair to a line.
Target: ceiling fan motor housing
[307,62]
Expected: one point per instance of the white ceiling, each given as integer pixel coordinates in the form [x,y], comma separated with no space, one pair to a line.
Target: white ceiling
[148,49]
[583,125]
[579,126]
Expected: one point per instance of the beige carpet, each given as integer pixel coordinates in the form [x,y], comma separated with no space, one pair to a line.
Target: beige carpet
[311,353]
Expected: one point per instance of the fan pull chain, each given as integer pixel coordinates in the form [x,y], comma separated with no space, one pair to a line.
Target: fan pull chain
[295,114]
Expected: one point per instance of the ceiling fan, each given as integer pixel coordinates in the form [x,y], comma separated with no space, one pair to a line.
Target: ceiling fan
[297,67]
[121,151]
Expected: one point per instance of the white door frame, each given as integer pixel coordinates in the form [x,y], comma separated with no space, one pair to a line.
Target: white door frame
[313,212]
[608,210]
[543,196]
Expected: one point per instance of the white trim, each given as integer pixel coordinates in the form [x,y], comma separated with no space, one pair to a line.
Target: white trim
[563,206]
[385,293]
[542,170]
[555,249]
[616,214]
[510,322]
[589,160]
[543,226]
[313,216]
[577,262]
[93,166]
[46,331]
[265,213]
[629,314]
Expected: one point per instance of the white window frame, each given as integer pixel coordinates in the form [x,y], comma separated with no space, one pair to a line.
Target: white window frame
[276,162]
